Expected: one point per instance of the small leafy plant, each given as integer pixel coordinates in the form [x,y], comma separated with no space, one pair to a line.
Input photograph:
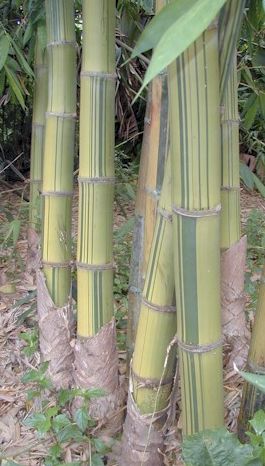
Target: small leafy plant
[54,419]
[221,448]
[31,339]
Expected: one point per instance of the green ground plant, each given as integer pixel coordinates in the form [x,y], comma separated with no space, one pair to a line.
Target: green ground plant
[54,420]
[255,231]
[221,448]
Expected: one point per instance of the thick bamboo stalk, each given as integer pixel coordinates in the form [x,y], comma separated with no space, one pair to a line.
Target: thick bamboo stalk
[153,155]
[37,145]
[53,297]
[233,247]
[252,398]
[230,182]
[96,359]
[151,173]
[153,363]
[229,28]
[195,137]
[96,171]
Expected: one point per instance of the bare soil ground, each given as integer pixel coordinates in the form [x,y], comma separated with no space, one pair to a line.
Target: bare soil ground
[17,315]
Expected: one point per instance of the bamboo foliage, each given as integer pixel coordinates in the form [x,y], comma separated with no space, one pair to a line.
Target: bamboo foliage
[38,126]
[195,137]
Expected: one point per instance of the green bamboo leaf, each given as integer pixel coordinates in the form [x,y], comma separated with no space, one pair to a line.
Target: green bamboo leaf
[4,48]
[21,59]
[247,176]
[255,379]
[15,85]
[259,58]
[27,34]
[262,104]
[251,111]
[154,31]
[259,185]
[183,31]
[2,82]
[258,422]
[246,74]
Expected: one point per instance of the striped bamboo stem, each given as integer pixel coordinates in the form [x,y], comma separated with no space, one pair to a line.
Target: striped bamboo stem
[37,146]
[153,155]
[233,247]
[96,359]
[230,184]
[53,296]
[59,148]
[96,170]
[229,28]
[195,137]
[37,137]
[252,398]
[151,173]
[153,363]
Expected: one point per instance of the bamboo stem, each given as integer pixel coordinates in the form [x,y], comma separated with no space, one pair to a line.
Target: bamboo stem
[252,398]
[59,149]
[37,137]
[195,133]
[53,286]
[96,171]
[153,155]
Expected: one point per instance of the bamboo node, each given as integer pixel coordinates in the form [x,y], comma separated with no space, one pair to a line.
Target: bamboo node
[157,308]
[152,192]
[57,193]
[94,267]
[143,382]
[37,125]
[96,180]
[230,122]
[62,42]
[98,74]
[61,114]
[189,348]
[164,213]
[196,213]
[35,181]
[230,188]
[59,265]
[135,290]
